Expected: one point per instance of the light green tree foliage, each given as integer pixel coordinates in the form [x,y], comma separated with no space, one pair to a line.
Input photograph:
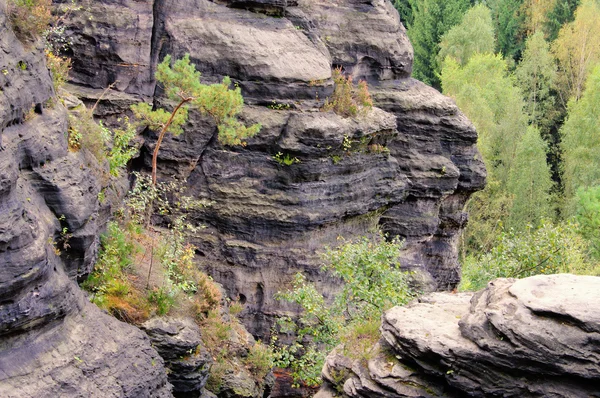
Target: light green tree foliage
[474,35]
[373,283]
[581,141]
[486,94]
[549,249]
[536,76]
[181,83]
[588,217]
[432,18]
[577,50]
[529,182]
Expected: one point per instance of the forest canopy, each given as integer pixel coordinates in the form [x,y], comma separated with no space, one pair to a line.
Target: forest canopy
[527,74]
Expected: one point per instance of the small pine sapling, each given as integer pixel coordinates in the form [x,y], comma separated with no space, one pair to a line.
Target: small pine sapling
[181,83]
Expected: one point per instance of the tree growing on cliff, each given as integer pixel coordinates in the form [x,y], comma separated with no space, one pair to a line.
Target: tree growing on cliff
[181,83]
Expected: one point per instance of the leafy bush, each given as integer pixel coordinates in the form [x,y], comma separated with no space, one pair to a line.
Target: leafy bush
[373,283]
[59,69]
[588,217]
[549,249]
[346,99]
[30,18]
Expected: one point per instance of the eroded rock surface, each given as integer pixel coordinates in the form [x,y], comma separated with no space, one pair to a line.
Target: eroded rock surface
[535,337]
[269,219]
[53,342]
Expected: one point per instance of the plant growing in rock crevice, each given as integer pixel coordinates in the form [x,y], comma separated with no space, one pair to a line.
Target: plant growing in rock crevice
[181,83]
[348,100]
[373,283]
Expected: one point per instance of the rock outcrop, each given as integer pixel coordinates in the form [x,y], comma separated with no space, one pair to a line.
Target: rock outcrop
[53,342]
[535,337]
[268,220]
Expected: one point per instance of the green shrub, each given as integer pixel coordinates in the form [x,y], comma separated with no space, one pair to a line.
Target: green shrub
[259,360]
[588,217]
[373,283]
[59,69]
[549,249]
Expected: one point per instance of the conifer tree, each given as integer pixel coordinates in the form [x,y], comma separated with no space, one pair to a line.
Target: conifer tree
[536,77]
[181,83]
[529,183]
[562,12]
[432,18]
[509,20]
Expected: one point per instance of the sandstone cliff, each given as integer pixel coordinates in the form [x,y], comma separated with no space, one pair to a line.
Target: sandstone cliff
[535,337]
[53,342]
[268,219]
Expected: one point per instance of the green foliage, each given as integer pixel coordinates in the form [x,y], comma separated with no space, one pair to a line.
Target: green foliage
[529,182]
[510,26]
[285,160]
[474,35]
[432,19]
[181,83]
[562,12]
[373,283]
[347,100]
[548,249]
[581,142]
[259,360]
[536,77]
[577,50]
[122,151]
[405,10]
[59,69]
[163,299]
[114,259]
[587,215]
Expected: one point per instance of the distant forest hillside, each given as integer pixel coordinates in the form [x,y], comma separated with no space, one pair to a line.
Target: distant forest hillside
[527,74]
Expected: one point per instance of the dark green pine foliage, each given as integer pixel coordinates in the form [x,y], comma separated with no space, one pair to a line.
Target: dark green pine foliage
[432,18]
[405,10]
[562,13]
[509,21]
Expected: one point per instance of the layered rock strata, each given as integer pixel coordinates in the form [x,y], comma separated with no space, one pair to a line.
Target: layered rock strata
[535,337]
[53,342]
[269,219]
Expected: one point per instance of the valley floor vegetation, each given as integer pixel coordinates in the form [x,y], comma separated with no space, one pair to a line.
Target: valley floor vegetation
[527,74]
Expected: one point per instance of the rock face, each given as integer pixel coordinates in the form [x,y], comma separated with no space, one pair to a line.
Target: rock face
[179,343]
[268,220]
[535,337]
[52,341]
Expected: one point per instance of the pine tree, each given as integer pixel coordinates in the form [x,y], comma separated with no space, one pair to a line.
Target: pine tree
[536,76]
[181,83]
[474,35]
[432,18]
[529,183]
[563,12]
[405,10]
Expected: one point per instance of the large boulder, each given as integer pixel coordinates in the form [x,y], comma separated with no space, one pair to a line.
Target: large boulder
[535,337]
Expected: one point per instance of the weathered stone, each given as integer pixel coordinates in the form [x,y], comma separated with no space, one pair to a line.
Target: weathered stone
[53,342]
[179,343]
[533,337]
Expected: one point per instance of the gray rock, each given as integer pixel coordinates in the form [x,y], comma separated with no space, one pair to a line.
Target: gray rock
[517,338]
[179,343]
[268,220]
[53,342]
